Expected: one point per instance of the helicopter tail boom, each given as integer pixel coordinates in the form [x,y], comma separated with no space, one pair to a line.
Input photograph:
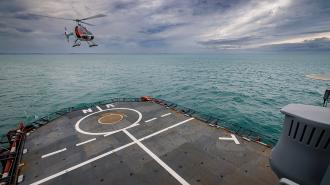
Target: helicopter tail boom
[67,34]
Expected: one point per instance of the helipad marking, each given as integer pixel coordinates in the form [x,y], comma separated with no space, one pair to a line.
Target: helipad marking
[109,105]
[85,111]
[81,164]
[111,132]
[165,115]
[78,144]
[53,153]
[150,120]
[232,138]
[157,159]
[103,155]
[99,120]
[99,108]
[165,129]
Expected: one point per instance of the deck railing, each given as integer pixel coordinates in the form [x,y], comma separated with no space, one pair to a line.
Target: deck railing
[10,155]
[213,121]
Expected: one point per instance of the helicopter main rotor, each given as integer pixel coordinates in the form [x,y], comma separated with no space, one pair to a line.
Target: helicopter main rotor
[76,20]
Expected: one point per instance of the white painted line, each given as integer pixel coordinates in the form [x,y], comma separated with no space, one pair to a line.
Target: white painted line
[20,178]
[150,120]
[82,164]
[85,111]
[165,115]
[99,108]
[105,133]
[235,139]
[53,153]
[157,159]
[104,155]
[232,138]
[247,139]
[113,132]
[109,105]
[262,143]
[165,129]
[78,144]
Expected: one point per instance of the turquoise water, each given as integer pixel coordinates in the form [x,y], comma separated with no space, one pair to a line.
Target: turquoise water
[244,89]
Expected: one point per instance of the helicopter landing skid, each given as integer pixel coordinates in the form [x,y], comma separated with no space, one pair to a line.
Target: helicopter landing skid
[76,43]
[91,43]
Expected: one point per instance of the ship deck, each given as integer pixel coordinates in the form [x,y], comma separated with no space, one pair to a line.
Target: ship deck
[140,143]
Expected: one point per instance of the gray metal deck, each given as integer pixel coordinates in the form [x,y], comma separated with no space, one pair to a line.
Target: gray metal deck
[150,145]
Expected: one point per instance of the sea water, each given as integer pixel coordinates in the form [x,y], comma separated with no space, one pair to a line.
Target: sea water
[245,89]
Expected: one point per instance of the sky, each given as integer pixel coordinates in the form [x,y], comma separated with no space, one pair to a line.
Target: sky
[167,26]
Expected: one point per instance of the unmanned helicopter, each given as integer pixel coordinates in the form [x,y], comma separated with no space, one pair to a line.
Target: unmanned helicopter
[80,32]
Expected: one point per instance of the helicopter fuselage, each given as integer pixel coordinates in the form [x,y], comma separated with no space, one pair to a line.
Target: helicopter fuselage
[82,33]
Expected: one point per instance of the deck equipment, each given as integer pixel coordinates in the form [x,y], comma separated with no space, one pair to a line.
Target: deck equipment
[302,154]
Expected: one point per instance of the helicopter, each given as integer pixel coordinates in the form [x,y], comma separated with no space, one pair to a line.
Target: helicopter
[80,32]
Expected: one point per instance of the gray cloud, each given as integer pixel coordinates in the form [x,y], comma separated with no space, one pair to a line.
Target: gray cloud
[319,44]
[161,28]
[124,5]
[24,30]
[153,43]
[229,43]
[167,25]
[26,16]
[202,7]
[10,6]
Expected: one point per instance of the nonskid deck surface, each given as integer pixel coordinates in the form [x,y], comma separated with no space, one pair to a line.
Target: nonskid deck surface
[140,143]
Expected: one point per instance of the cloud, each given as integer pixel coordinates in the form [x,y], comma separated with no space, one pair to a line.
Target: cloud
[123,5]
[233,43]
[26,16]
[153,43]
[318,44]
[24,30]
[204,7]
[10,6]
[167,25]
[160,28]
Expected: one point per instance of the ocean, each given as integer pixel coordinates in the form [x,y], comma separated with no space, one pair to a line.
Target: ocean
[245,89]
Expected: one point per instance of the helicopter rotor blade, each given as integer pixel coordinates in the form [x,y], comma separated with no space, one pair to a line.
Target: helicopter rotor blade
[87,23]
[94,16]
[51,17]
[76,20]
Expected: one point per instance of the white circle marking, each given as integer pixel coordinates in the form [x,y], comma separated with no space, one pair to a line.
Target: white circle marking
[104,133]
